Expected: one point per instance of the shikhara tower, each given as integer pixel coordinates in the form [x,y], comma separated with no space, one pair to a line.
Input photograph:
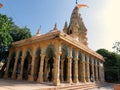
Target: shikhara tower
[76,27]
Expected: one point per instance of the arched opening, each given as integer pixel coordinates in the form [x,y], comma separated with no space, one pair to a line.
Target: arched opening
[27,66]
[70,31]
[37,63]
[64,64]
[90,66]
[65,68]
[73,61]
[79,66]
[48,64]
[11,66]
[18,64]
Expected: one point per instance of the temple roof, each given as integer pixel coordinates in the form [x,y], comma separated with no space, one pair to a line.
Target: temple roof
[56,35]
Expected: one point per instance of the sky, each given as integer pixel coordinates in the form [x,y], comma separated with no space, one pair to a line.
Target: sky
[102,18]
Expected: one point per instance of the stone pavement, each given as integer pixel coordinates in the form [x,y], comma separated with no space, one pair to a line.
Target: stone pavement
[8,84]
[107,87]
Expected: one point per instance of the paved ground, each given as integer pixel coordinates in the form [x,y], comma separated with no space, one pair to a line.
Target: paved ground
[107,87]
[6,84]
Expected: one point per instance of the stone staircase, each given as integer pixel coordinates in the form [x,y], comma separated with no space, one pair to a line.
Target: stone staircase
[82,86]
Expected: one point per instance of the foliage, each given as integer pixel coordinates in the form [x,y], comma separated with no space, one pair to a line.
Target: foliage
[5,38]
[111,65]
[20,33]
[9,32]
[116,47]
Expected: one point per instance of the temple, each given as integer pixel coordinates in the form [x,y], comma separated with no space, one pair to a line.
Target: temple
[57,56]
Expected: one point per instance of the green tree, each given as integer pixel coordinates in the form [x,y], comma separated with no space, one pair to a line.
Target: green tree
[111,65]
[20,33]
[5,37]
[9,32]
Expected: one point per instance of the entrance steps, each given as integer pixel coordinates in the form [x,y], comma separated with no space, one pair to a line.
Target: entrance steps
[80,86]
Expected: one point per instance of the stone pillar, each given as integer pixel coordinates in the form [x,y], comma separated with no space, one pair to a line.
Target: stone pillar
[31,76]
[75,80]
[62,71]
[40,77]
[92,69]
[83,79]
[15,67]
[69,69]
[7,66]
[101,71]
[21,67]
[46,71]
[56,77]
[87,69]
[96,70]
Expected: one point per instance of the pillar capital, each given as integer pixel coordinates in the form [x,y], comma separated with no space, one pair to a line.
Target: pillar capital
[42,55]
[69,57]
[58,53]
[22,57]
[76,59]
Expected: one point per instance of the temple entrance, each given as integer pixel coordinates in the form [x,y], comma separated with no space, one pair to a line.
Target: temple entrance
[65,69]
[48,64]
[50,69]
[27,66]
[64,64]
[11,66]
[18,64]
[91,74]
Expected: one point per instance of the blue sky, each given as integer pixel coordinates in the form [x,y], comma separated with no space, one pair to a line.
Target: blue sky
[101,18]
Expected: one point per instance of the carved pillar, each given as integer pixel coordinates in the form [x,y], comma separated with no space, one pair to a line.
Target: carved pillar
[46,70]
[15,66]
[40,77]
[75,80]
[92,70]
[96,70]
[101,71]
[87,69]
[31,76]
[7,67]
[21,67]
[61,71]
[69,69]
[83,79]
[56,77]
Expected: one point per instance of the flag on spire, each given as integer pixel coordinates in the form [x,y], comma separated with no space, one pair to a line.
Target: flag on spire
[1,5]
[82,5]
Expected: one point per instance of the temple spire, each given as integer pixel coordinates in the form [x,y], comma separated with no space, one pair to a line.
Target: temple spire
[55,27]
[38,32]
[76,28]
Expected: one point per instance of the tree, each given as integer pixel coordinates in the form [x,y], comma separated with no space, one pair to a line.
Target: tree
[116,47]
[20,33]
[111,65]
[9,32]
[5,38]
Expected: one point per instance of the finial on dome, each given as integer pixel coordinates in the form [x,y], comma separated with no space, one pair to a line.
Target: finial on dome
[55,27]
[76,2]
[65,27]
[38,32]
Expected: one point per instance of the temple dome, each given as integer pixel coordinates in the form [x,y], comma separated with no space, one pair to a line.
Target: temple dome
[76,27]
